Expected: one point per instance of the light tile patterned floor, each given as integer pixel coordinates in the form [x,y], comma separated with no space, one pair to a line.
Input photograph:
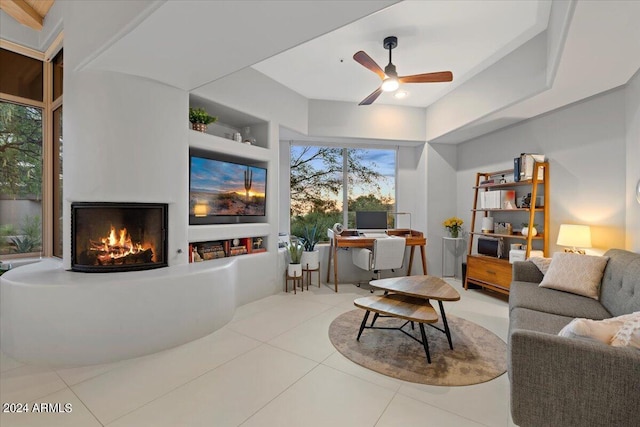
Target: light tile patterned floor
[273,365]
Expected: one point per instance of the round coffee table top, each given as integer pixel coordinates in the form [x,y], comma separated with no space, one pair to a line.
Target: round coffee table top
[428,287]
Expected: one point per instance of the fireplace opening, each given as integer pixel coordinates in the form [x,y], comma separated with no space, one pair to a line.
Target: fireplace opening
[108,237]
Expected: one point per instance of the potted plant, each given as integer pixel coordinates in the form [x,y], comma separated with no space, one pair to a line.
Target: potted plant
[526,229]
[199,119]
[311,256]
[295,249]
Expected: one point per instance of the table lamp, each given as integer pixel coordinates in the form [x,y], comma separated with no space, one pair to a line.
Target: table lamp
[574,236]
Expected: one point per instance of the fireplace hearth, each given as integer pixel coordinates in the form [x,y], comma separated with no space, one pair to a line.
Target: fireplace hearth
[110,237]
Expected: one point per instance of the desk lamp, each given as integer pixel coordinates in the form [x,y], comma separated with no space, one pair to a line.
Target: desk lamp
[574,236]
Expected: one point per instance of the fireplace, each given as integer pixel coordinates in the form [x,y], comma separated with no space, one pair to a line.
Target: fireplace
[108,237]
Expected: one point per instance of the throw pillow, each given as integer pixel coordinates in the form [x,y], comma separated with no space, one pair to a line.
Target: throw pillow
[575,273]
[592,329]
[604,331]
[542,263]
[629,334]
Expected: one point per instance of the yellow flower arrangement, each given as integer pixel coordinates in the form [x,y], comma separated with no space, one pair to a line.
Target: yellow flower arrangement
[454,225]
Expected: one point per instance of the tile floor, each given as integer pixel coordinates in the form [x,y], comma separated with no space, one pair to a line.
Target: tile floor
[273,365]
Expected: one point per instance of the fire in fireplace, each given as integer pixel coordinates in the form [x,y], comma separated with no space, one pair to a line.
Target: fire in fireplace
[108,237]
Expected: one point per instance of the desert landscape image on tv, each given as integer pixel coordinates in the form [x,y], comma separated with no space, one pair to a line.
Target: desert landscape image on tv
[224,188]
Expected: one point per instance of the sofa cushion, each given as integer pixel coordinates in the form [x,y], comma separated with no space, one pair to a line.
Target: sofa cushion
[575,273]
[620,292]
[529,295]
[542,263]
[532,320]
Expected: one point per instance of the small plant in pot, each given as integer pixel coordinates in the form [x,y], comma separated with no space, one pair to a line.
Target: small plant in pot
[526,229]
[199,119]
[295,249]
[310,256]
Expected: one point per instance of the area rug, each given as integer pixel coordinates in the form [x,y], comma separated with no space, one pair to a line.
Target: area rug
[478,355]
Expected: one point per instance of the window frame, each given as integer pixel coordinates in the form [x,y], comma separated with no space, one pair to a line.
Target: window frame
[48,105]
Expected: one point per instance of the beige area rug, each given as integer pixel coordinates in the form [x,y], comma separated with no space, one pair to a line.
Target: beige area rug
[478,355]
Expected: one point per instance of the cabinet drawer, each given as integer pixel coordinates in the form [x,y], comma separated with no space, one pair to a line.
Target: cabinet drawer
[489,270]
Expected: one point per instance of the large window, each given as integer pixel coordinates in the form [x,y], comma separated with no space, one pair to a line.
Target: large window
[20,179]
[30,153]
[329,184]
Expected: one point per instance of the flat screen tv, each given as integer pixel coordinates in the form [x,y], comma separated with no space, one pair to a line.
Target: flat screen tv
[223,192]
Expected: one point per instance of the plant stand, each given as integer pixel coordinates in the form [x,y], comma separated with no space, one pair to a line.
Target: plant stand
[307,272]
[295,281]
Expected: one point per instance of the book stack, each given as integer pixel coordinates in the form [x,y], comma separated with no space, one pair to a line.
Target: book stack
[498,199]
[523,166]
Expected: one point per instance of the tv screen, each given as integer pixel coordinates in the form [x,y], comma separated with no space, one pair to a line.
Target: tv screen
[371,220]
[222,191]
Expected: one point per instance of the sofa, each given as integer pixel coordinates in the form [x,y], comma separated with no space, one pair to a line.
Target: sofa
[562,382]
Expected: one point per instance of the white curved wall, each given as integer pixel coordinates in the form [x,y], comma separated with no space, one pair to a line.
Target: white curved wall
[52,316]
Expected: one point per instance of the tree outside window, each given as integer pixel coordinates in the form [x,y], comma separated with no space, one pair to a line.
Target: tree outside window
[20,178]
[317,184]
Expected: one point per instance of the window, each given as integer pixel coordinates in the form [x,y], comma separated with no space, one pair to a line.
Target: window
[320,175]
[20,179]
[30,153]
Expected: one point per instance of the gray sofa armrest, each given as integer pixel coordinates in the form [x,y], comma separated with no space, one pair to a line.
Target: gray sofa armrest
[557,381]
[526,271]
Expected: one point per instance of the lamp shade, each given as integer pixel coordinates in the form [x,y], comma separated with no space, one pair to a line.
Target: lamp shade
[577,236]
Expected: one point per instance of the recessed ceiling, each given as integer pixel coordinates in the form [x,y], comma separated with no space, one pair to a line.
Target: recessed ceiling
[464,37]
[27,12]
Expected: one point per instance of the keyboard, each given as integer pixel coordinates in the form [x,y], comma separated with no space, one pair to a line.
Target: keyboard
[375,235]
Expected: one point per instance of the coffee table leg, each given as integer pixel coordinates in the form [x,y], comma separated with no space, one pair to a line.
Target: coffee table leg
[364,322]
[424,342]
[446,325]
[375,317]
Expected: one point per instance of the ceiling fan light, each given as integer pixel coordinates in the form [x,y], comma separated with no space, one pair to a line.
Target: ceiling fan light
[390,84]
[401,94]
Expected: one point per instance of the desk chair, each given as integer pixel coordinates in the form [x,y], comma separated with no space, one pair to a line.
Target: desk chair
[387,254]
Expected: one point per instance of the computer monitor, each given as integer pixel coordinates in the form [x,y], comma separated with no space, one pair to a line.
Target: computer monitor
[371,220]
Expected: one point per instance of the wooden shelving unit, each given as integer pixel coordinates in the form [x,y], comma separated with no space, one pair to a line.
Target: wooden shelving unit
[495,273]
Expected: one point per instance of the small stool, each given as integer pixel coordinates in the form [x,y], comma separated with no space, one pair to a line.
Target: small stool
[296,280]
[307,272]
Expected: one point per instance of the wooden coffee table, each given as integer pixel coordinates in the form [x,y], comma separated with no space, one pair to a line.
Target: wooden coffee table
[423,288]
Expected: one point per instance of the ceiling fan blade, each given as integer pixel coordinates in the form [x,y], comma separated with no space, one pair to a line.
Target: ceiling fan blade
[369,99]
[366,61]
[441,76]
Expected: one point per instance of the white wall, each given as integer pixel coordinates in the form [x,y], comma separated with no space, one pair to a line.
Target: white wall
[586,147]
[440,202]
[254,93]
[632,107]
[347,119]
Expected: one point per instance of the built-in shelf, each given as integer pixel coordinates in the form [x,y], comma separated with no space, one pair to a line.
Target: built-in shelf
[227,147]
[199,233]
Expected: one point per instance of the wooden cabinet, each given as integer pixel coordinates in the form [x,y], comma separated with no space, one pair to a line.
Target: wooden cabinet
[493,272]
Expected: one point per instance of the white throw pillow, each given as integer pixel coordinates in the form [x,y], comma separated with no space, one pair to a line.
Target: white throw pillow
[542,263]
[575,273]
[601,330]
[629,333]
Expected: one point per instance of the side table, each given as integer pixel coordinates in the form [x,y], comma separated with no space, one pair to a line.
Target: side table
[455,251]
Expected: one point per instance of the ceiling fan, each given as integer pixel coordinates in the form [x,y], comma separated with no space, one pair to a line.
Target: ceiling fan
[390,79]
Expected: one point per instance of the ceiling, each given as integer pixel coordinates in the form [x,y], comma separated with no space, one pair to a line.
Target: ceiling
[464,37]
[27,12]
[511,60]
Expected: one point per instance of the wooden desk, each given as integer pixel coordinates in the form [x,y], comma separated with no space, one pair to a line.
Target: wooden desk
[351,239]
